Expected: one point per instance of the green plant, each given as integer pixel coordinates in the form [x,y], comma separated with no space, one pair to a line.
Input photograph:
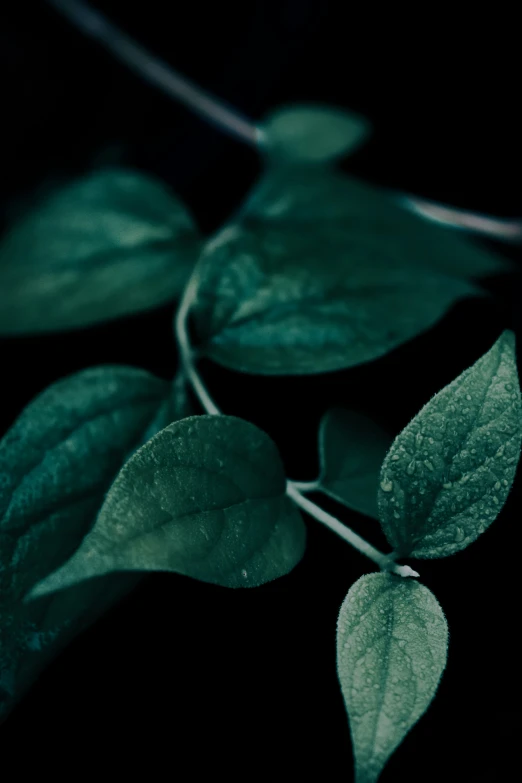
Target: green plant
[111,472]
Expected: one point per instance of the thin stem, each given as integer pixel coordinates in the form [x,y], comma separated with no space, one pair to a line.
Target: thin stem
[163,76]
[505,229]
[306,486]
[157,72]
[385,562]
[185,350]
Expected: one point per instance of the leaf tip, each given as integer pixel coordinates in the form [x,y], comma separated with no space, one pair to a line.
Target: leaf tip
[508,339]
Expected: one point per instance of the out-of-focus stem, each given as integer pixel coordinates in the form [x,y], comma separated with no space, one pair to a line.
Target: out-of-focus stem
[158,73]
[229,120]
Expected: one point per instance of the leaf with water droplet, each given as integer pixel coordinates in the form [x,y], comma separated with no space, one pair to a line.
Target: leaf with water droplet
[312,133]
[56,463]
[472,463]
[206,497]
[109,244]
[392,640]
[351,450]
[279,300]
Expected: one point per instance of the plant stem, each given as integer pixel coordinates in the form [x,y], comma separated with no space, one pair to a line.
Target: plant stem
[385,562]
[306,486]
[157,72]
[185,350]
[294,489]
[228,119]
[504,229]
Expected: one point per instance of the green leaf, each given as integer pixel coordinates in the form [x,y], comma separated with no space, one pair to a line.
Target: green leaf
[276,301]
[392,640]
[449,472]
[371,222]
[205,498]
[351,450]
[112,243]
[56,463]
[313,133]
[60,457]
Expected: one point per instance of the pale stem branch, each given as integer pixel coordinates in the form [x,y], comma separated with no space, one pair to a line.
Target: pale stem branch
[385,562]
[505,229]
[185,350]
[307,486]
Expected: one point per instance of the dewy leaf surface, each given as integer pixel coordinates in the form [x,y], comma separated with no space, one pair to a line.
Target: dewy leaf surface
[312,133]
[369,219]
[449,472]
[280,301]
[351,450]
[56,463]
[392,640]
[112,243]
[205,498]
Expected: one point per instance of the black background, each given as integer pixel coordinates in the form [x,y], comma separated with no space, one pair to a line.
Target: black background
[191,680]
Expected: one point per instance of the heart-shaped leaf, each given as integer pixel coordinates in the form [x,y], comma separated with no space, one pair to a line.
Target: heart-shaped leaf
[276,301]
[112,243]
[206,498]
[372,223]
[392,640]
[449,472]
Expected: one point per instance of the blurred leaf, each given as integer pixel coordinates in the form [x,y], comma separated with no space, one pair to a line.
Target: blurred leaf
[276,300]
[372,223]
[449,472]
[205,498]
[313,133]
[392,641]
[56,464]
[112,243]
[351,450]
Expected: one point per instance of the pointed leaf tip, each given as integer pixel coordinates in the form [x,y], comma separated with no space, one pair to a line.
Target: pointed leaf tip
[449,472]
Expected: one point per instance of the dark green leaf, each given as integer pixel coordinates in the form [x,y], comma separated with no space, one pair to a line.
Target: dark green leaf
[285,302]
[32,635]
[113,243]
[392,640]
[56,464]
[313,133]
[371,222]
[449,472]
[205,498]
[351,450]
